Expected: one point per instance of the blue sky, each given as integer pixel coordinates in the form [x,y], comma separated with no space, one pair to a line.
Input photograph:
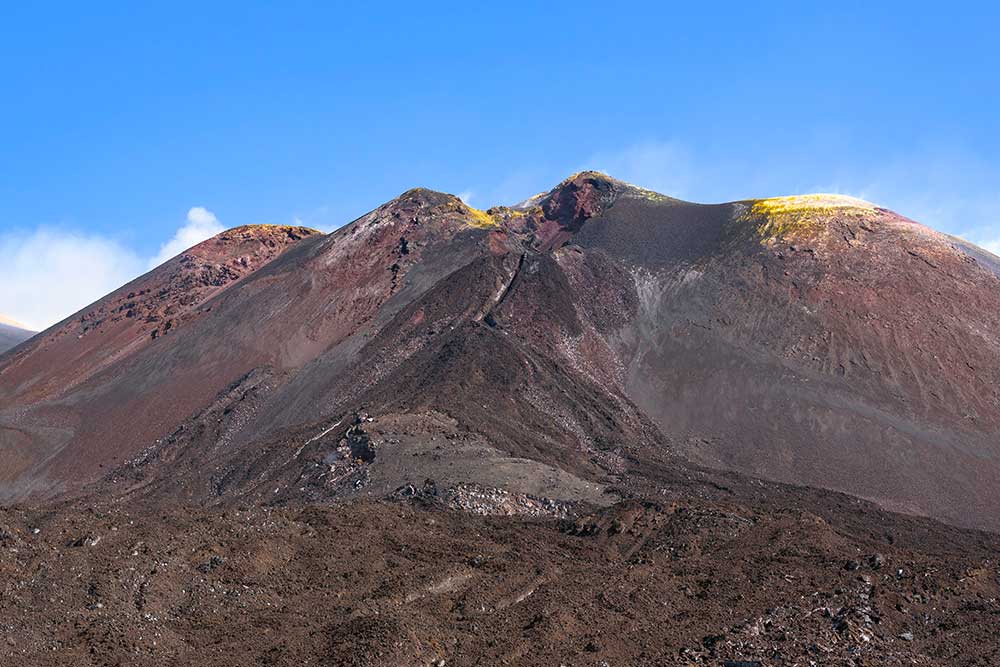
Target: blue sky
[134,126]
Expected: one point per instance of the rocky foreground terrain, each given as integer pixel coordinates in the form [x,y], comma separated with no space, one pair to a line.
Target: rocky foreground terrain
[601,427]
[805,580]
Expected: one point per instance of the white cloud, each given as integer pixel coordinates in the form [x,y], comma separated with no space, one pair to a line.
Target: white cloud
[50,273]
[466,197]
[201,225]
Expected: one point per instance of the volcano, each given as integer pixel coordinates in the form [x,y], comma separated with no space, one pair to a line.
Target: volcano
[816,340]
[645,372]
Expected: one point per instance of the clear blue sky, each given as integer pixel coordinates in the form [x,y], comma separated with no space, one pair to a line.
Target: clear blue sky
[117,119]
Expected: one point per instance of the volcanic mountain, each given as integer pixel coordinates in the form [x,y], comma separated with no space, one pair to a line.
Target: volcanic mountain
[816,340]
[12,333]
[603,425]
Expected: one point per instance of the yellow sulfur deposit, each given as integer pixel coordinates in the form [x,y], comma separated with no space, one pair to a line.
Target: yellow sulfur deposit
[480,219]
[779,216]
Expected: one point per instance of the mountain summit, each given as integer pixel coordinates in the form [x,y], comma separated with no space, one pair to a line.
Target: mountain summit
[818,340]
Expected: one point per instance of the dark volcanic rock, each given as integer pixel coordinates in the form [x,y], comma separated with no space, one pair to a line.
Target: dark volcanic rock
[364,583]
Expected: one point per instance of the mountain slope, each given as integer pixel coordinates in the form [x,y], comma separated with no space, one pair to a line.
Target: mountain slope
[533,359]
[818,341]
[84,392]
